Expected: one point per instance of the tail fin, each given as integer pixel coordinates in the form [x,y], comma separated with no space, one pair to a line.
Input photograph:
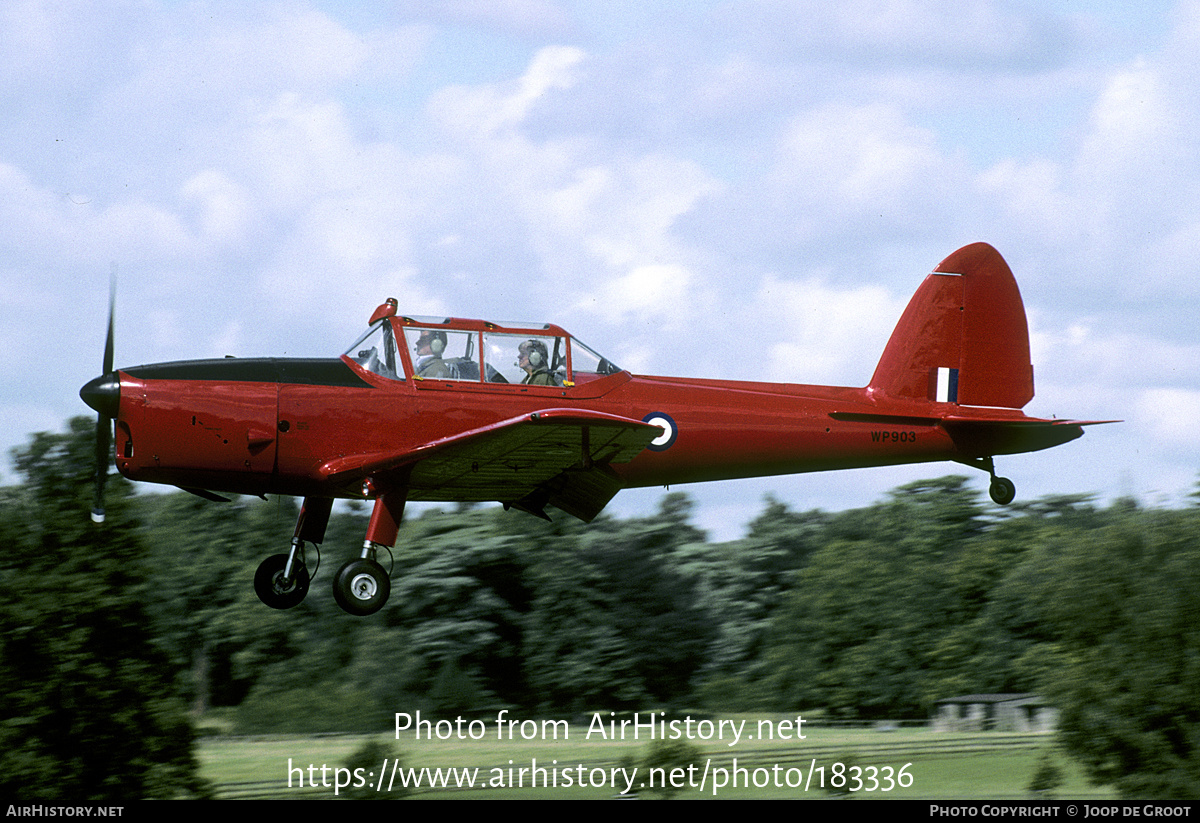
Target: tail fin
[963,338]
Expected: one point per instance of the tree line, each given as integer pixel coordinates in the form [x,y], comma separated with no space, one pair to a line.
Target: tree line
[119,639]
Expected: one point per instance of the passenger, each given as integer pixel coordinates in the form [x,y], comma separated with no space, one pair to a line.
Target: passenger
[430,346]
[535,360]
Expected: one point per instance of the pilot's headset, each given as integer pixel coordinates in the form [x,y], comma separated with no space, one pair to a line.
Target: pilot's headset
[436,341]
[535,350]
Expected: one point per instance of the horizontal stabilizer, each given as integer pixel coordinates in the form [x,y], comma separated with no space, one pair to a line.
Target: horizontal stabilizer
[979,436]
[976,437]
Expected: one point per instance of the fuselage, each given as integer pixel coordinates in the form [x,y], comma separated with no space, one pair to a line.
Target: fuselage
[268,426]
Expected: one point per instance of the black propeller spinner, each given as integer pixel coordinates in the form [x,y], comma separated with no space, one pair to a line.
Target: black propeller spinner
[104,395]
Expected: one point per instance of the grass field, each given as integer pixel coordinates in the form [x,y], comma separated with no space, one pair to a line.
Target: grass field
[939,766]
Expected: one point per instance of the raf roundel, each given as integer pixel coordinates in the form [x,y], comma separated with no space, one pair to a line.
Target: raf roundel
[670,430]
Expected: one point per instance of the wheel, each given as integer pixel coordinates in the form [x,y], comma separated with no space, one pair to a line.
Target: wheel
[361,587]
[1002,490]
[270,587]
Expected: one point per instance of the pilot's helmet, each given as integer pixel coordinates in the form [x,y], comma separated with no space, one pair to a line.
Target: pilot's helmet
[535,350]
[435,340]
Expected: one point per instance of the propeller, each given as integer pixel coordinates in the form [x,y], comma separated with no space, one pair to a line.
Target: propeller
[104,394]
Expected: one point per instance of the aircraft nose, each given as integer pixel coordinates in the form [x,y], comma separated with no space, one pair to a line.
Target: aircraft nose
[103,394]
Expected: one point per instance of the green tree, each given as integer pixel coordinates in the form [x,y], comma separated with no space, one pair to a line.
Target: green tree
[203,553]
[663,764]
[90,711]
[367,760]
[461,594]
[1047,778]
[741,585]
[860,632]
[1128,686]
[615,620]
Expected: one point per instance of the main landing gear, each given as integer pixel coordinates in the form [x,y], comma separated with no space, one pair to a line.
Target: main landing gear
[1002,490]
[282,579]
[361,586]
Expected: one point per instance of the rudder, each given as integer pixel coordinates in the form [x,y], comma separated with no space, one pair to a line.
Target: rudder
[963,338]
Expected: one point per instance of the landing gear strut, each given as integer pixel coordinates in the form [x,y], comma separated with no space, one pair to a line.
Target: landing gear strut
[282,579]
[362,586]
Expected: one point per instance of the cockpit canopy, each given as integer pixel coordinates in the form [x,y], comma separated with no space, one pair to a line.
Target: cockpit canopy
[452,349]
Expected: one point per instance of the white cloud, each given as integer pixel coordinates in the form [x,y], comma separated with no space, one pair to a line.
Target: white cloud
[201,57]
[1032,194]
[828,335]
[299,149]
[1088,353]
[856,157]
[1134,146]
[527,18]
[223,205]
[936,33]
[598,222]
[1171,415]
[648,291]
[841,176]
[496,108]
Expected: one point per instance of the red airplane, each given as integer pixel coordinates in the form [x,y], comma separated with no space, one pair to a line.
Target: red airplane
[448,409]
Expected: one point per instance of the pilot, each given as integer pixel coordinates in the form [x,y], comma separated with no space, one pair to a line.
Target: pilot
[430,346]
[534,359]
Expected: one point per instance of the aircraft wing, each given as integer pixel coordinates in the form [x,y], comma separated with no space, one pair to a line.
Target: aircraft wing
[553,456]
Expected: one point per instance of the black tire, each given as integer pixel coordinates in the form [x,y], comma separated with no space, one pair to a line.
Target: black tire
[1002,490]
[269,585]
[361,587]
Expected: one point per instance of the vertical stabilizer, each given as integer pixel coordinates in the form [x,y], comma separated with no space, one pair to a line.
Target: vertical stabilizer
[963,338]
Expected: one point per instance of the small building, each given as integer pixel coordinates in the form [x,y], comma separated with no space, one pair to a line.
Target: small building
[995,713]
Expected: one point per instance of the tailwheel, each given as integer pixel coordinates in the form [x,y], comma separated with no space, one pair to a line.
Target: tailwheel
[361,587]
[1002,490]
[273,587]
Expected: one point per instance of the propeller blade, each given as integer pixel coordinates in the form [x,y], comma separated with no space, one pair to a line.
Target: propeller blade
[104,423]
[103,443]
[112,304]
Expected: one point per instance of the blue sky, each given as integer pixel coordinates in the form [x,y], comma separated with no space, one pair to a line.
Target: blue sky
[722,189]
